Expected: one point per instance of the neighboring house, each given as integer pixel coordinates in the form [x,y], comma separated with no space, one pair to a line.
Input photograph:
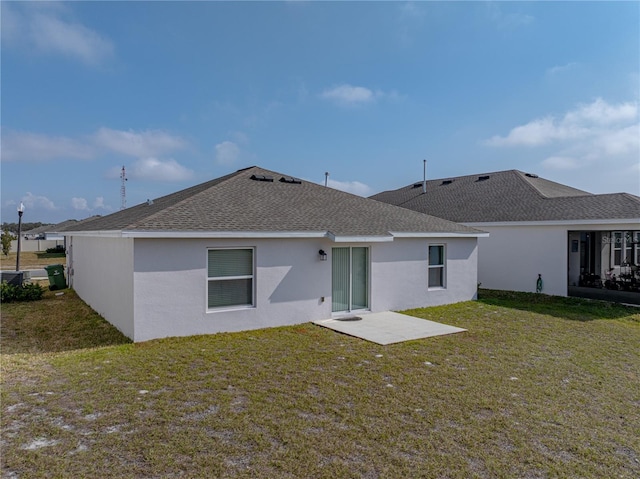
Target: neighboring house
[571,237]
[255,249]
[54,232]
[36,233]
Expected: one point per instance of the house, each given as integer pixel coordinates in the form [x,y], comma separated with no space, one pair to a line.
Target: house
[255,249]
[572,238]
[46,236]
[54,232]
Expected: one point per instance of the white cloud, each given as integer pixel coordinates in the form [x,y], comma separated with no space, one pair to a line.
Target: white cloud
[354,187]
[601,113]
[36,202]
[79,204]
[561,163]
[619,142]
[507,20]
[98,204]
[227,153]
[410,19]
[595,137]
[350,95]
[593,121]
[559,69]
[141,144]
[538,132]
[26,146]
[44,28]
[411,10]
[154,169]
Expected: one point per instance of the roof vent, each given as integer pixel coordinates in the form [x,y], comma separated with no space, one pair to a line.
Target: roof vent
[447,182]
[530,175]
[482,178]
[290,179]
[262,178]
[417,185]
[149,202]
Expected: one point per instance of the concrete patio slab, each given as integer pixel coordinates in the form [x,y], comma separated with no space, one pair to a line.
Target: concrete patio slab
[387,327]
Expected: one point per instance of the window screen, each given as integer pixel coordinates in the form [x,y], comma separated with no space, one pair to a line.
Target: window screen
[436,266]
[230,277]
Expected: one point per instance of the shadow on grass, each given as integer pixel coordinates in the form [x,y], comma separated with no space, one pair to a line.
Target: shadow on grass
[61,321]
[575,309]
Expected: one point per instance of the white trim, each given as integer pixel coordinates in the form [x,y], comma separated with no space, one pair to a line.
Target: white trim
[102,234]
[272,235]
[359,239]
[252,277]
[350,311]
[443,266]
[401,234]
[557,222]
[200,234]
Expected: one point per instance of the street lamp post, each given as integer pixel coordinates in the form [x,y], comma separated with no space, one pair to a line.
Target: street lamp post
[20,211]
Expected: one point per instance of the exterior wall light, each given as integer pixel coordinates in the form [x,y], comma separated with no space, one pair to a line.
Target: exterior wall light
[323,255]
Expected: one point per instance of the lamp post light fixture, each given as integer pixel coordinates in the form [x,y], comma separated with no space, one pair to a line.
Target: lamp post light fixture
[20,211]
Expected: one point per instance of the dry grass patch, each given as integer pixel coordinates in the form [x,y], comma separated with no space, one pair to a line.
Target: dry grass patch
[28,260]
[526,392]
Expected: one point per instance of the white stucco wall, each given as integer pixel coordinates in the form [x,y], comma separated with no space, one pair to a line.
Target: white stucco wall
[170,282]
[100,270]
[512,256]
[399,277]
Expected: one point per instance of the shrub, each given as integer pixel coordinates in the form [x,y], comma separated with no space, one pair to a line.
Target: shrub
[6,242]
[26,292]
[57,249]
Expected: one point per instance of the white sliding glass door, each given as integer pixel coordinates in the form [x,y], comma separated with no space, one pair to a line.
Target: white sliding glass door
[349,279]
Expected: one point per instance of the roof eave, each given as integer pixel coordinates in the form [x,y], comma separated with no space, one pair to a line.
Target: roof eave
[481,224]
[443,234]
[359,238]
[199,234]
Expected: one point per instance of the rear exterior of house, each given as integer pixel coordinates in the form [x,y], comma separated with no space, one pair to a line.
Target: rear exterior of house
[151,288]
[153,274]
[572,238]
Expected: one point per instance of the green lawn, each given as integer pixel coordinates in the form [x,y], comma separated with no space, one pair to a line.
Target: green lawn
[539,387]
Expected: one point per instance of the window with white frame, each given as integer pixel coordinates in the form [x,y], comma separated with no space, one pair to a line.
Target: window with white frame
[436,266]
[230,275]
[617,248]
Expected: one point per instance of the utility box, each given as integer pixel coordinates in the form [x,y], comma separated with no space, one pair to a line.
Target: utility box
[56,276]
[15,278]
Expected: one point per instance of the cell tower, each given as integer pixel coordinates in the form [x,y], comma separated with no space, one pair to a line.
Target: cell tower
[123,190]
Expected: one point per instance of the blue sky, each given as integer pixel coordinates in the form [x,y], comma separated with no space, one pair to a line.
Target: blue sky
[180,93]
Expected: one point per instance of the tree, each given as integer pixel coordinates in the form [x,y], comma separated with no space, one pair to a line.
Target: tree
[7,238]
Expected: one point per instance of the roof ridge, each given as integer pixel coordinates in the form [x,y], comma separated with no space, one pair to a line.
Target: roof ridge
[631,196]
[521,177]
[463,176]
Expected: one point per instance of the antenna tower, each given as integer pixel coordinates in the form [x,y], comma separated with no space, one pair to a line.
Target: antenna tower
[123,190]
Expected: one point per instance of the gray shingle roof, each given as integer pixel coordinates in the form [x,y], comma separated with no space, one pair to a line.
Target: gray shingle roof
[39,229]
[510,196]
[59,227]
[236,203]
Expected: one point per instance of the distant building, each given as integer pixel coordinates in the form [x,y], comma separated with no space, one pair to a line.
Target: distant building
[572,238]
